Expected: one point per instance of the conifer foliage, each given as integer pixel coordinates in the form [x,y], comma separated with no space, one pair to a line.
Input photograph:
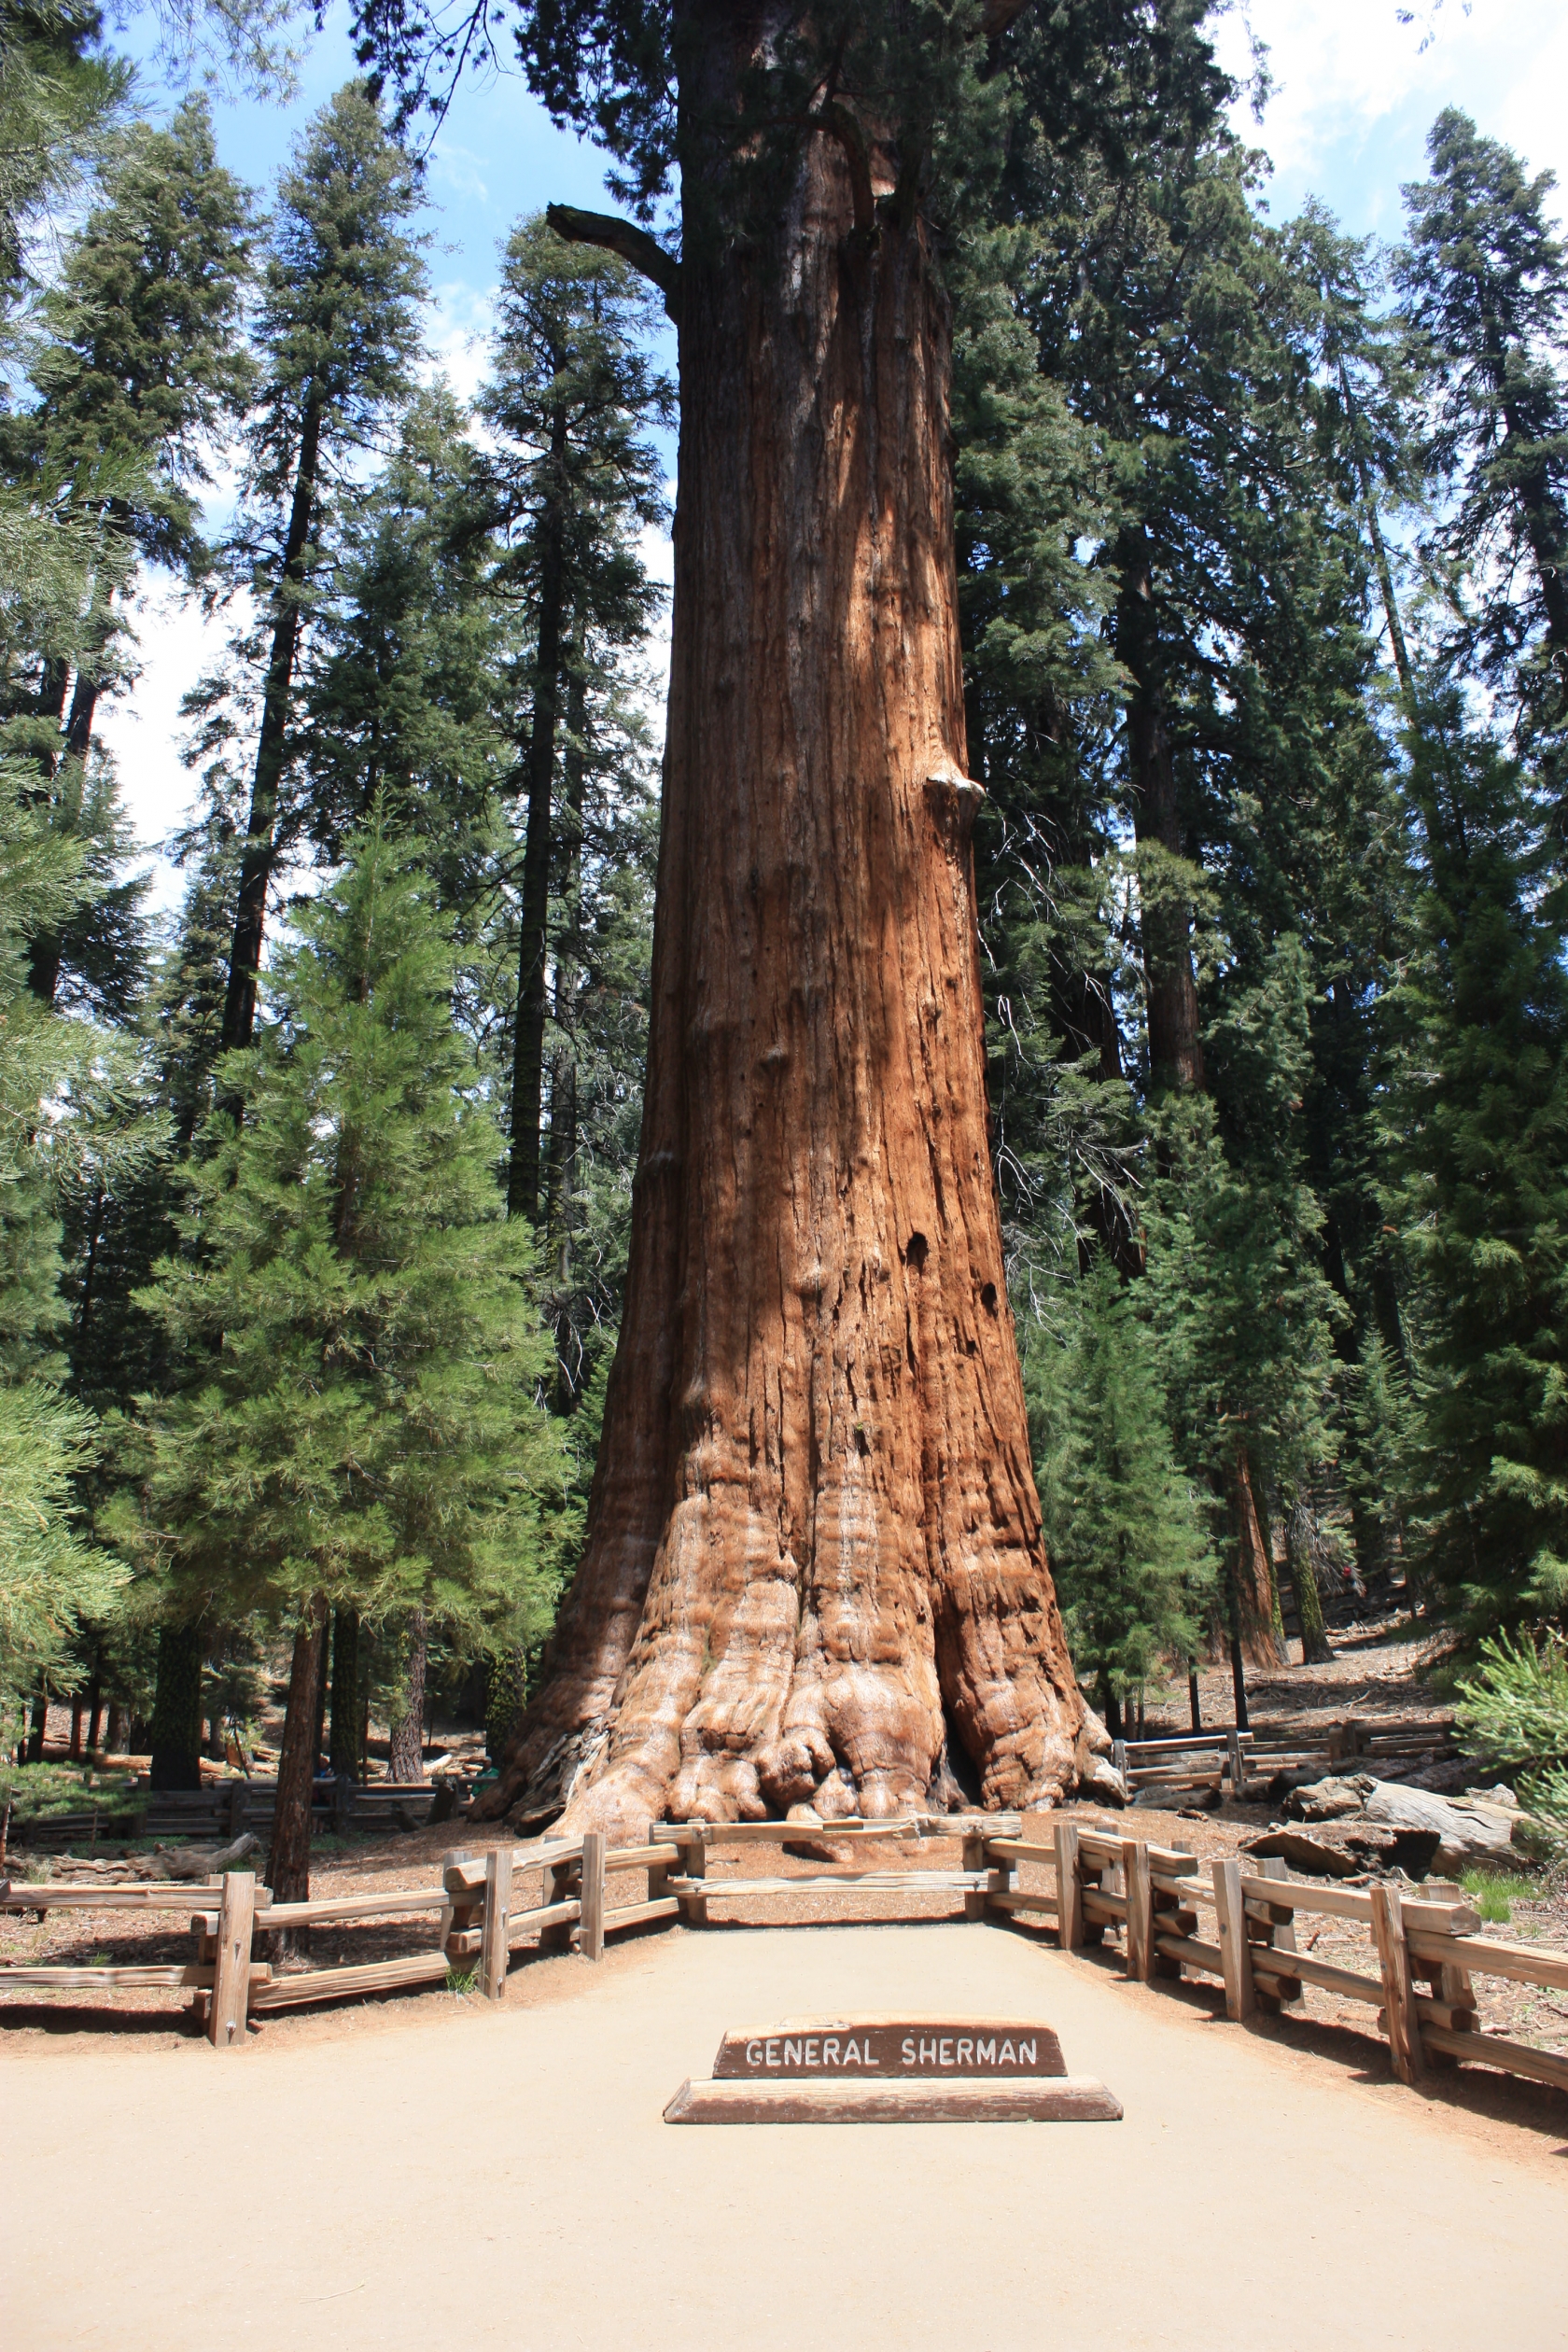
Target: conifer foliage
[362,1427]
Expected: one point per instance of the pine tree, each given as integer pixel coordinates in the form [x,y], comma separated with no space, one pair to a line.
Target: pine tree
[1238,1296]
[1485,288]
[368,1435]
[141,352]
[1125,1523]
[1481,1142]
[403,685]
[336,332]
[50,1579]
[573,478]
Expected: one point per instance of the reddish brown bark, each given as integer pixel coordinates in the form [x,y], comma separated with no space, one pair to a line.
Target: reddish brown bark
[814,1522]
[1257,1599]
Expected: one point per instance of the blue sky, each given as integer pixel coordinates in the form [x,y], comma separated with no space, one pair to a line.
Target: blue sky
[1355,94]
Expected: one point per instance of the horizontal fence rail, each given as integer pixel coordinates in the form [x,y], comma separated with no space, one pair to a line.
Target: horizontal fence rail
[1233,1919]
[228,1808]
[1207,1759]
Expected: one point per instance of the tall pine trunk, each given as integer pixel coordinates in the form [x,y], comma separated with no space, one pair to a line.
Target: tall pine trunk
[345,1749]
[562,1169]
[814,1521]
[288,1863]
[1175,1046]
[176,1709]
[406,1751]
[260,845]
[1257,1598]
[527,1052]
[1316,1648]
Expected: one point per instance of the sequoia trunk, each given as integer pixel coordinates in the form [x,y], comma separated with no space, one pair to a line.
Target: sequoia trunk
[1257,1599]
[814,1523]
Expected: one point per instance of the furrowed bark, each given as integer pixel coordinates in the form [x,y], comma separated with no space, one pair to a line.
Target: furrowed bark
[1257,1598]
[406,1749]
[814,1522]
[288,1862]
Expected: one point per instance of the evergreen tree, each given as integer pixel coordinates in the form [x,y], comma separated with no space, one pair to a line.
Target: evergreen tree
[1125,1523]
[51,1580]
[336,331]
[366,1435]
[1485,287]
[141,358]
[403,687]
[1481,1143]
[574,478]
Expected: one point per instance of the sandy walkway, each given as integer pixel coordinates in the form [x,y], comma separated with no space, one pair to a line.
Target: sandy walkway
[503,2179]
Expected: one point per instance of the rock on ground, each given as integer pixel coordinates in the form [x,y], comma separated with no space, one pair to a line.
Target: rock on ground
[1469,1830]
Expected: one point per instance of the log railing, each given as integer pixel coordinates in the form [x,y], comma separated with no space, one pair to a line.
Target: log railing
[1234,1921]
[1154,1894]
[1207,1759]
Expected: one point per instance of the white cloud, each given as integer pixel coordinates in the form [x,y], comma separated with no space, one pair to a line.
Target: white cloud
[458,335]
[462,170]
[1356,89]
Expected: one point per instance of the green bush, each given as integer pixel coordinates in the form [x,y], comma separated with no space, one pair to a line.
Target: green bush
[1513,1711]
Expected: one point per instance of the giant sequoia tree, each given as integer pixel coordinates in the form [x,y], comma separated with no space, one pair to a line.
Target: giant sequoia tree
[815,1550]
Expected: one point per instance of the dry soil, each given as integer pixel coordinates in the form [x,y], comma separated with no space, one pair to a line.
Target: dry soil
[456,2176]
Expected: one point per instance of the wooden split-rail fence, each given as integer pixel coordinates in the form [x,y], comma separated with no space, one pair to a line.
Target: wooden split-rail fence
[1423,1953]
[225,1809]
[1248,1761]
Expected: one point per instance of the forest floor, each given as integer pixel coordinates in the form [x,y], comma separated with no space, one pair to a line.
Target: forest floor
[449,2174]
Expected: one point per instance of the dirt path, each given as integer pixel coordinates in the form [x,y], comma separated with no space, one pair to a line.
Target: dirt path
[502,2178]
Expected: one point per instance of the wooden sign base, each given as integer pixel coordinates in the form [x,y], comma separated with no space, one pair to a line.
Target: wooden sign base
[1031,2099]
[893,2070]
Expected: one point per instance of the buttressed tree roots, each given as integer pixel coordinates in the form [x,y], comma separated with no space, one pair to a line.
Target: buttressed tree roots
[813,1567]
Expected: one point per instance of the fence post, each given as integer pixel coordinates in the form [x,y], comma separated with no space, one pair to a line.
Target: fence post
[1401,2021]
[1001,1877]
[693,1907]
[590,1926]
[457,1917]
[1238,1769]
[555,1887]
[1118,1757]
[1070,1894]
[1235,1953]
[1169,1919]
[1281,1935]
[494,1953]
[230,1992]
[974,1859]
[658,1872]
[1140,1911]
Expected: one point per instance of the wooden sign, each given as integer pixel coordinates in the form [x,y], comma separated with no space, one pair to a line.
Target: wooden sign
[867,2049]
[893,2070]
